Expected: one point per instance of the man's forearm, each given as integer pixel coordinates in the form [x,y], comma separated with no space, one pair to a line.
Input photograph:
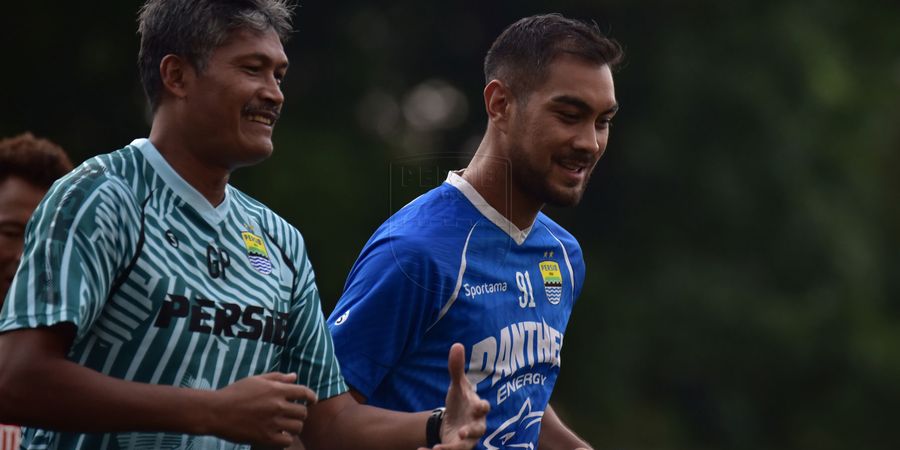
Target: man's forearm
[556,436]
[54,393]
[342,423]
[39,387]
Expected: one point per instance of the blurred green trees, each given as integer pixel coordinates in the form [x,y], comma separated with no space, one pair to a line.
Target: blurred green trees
[742,234]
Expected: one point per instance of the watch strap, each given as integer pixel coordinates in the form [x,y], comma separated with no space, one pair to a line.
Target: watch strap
[433,427]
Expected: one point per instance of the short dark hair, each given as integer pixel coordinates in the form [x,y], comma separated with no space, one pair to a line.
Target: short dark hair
[194,28]
[35,160]
[522,53]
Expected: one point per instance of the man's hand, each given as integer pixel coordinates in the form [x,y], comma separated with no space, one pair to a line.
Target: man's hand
[464,420]
[262,410]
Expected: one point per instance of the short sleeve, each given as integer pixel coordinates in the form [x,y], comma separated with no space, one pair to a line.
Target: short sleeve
[390,299]
[310,346]
[80,238]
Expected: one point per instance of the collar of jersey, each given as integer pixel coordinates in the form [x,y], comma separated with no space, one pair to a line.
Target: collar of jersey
[212,214]
[456,180]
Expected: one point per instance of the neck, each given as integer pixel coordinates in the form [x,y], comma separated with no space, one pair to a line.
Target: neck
[490,174]
[188,159]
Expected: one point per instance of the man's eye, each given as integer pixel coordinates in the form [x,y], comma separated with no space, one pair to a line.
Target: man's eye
[11,232]
[568,117]
[603,124]
[252,69]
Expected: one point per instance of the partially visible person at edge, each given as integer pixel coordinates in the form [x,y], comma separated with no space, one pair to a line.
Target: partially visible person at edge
[475,260]
[158,307]
[28,166]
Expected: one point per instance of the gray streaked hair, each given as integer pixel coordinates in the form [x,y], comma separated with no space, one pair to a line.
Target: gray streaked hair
[193,29]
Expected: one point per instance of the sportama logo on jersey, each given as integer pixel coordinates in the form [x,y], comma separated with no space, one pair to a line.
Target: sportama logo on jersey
[552,281]
[256,253]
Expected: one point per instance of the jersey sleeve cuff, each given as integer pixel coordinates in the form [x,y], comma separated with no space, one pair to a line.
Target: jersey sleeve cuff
[39,320]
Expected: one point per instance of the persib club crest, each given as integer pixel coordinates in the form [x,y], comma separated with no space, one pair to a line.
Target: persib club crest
[256,253]
[552,281]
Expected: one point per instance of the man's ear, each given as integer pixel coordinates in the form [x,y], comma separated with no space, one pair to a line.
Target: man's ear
[498,102]
[176,74]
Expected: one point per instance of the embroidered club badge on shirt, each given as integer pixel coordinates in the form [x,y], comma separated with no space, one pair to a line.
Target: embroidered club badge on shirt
[552,281]
[256,253]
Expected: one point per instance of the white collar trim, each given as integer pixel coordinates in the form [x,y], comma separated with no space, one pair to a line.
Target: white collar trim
[212,214]
[456,180]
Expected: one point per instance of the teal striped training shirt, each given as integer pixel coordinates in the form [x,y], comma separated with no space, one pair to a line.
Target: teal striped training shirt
[166,289]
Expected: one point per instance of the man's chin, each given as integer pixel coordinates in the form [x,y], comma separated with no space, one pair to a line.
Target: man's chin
[564,197]
[255,154]
[567,199]
[564,202]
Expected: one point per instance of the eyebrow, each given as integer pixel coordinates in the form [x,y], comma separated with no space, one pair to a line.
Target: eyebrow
[12,222]
[581,104]
[262,57]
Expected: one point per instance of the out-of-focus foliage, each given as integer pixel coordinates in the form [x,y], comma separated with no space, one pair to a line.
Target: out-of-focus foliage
[742,234]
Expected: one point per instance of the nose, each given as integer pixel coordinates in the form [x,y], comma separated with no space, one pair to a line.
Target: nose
[272,91]
[590,139]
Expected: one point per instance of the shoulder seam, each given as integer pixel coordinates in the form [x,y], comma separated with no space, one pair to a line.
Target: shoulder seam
[120,280]
[459,278]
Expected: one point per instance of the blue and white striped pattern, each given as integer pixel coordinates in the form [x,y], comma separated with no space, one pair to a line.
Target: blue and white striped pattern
[260,263]
[554,294]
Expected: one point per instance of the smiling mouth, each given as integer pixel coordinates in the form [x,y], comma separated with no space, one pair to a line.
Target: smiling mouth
[572,166]
[264,119]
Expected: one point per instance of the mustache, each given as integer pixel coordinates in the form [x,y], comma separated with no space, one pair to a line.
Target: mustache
[585,159]
[267,109]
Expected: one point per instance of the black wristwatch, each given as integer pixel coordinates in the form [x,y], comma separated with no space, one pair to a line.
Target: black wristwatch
[433,427]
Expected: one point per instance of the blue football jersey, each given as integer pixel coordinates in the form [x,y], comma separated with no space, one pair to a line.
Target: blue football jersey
[449,268]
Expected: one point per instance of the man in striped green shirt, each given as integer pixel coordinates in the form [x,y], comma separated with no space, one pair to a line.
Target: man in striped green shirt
[157,306]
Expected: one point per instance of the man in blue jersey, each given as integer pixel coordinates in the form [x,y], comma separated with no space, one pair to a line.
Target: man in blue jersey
[475,261]
[158,307]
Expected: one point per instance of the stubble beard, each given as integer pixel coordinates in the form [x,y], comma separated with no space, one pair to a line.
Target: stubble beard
[536,182]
